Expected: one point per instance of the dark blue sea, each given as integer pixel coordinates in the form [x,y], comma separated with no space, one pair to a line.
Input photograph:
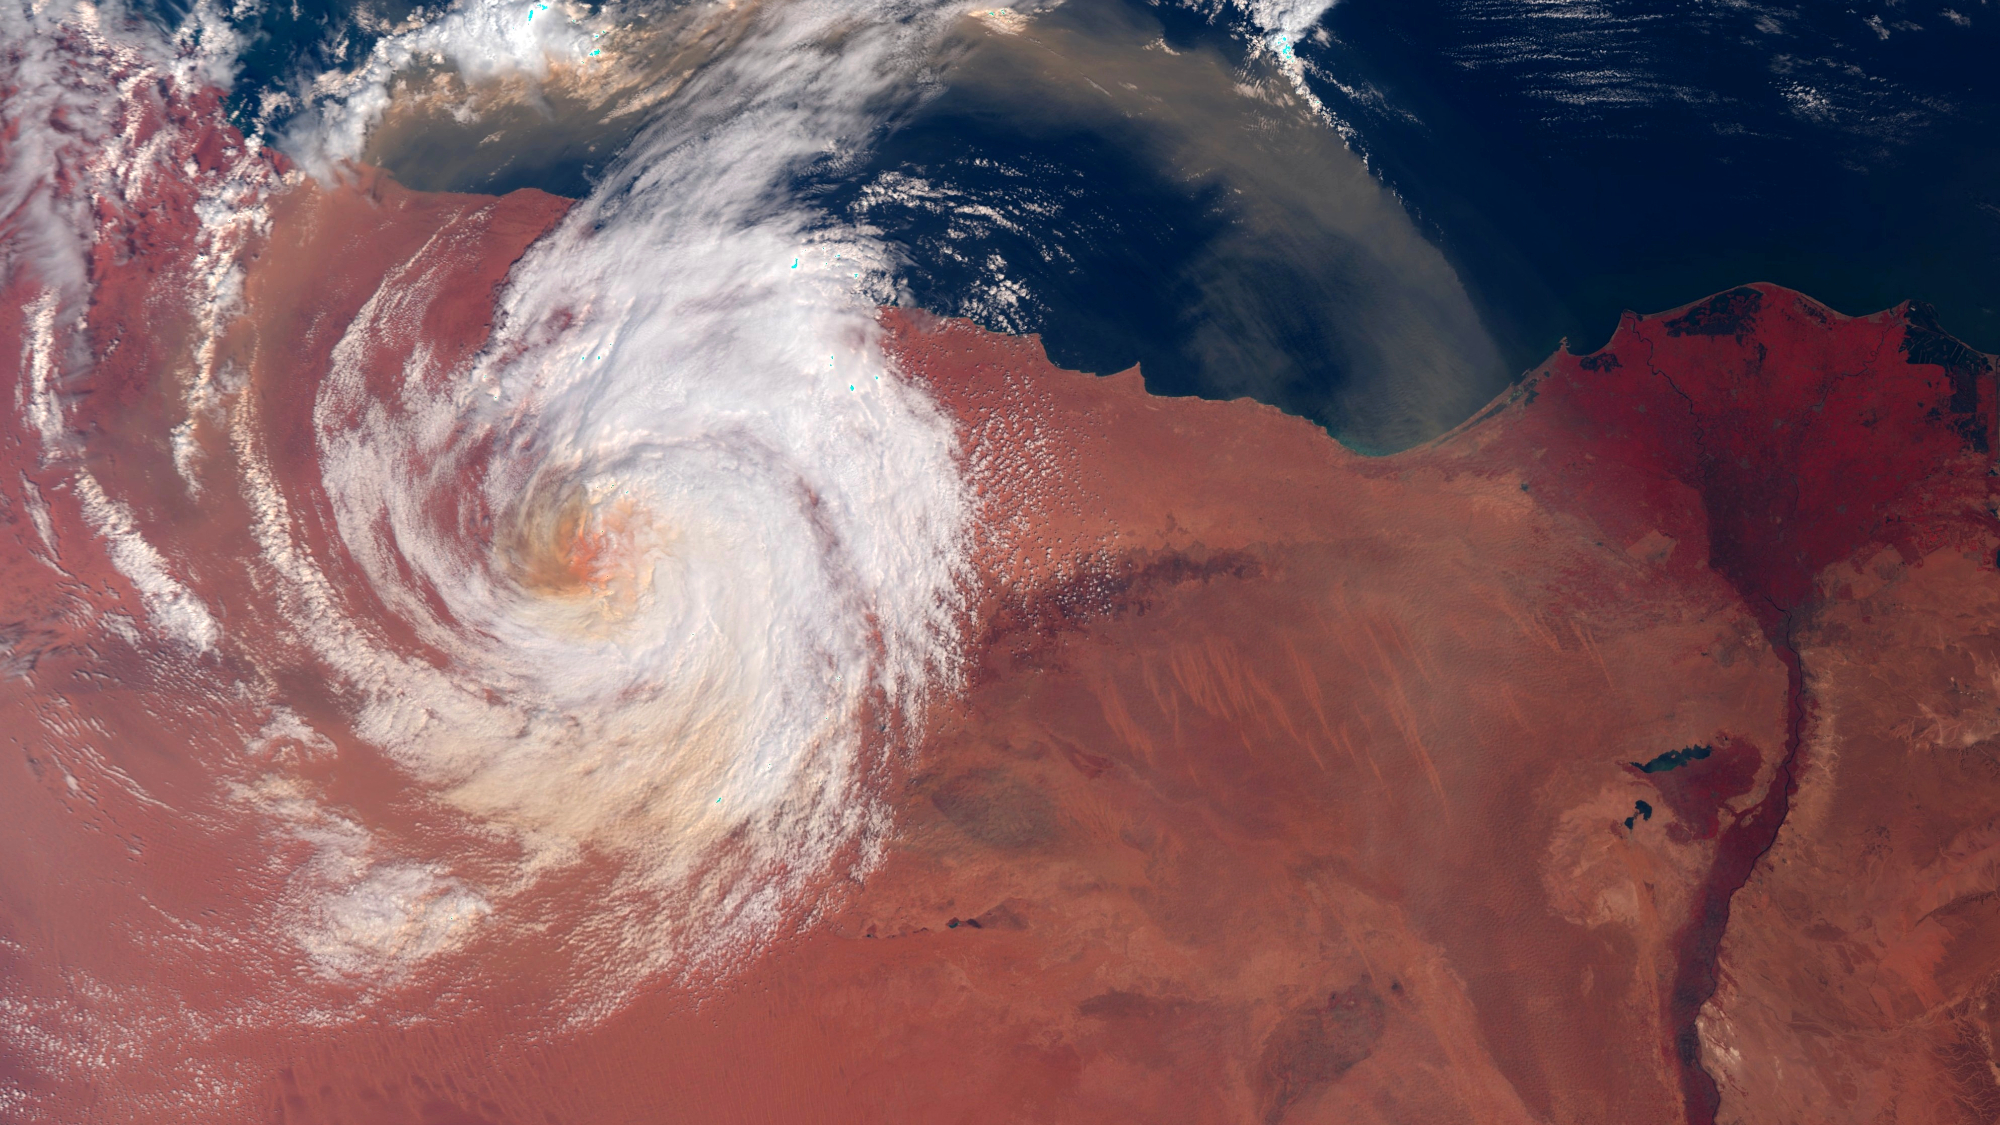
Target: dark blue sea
[1563,160]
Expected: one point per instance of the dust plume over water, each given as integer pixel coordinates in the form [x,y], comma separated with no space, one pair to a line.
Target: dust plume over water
[1133,184]
[517,670]
[1140,188]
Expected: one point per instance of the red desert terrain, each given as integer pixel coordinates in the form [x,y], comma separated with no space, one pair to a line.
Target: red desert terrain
[1627,755]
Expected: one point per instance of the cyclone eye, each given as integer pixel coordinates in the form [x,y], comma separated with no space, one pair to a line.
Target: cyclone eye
[562,542]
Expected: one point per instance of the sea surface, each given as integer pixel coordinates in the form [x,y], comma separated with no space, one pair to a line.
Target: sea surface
[1146,183]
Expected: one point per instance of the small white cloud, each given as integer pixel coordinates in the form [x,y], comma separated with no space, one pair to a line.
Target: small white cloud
[395,916]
